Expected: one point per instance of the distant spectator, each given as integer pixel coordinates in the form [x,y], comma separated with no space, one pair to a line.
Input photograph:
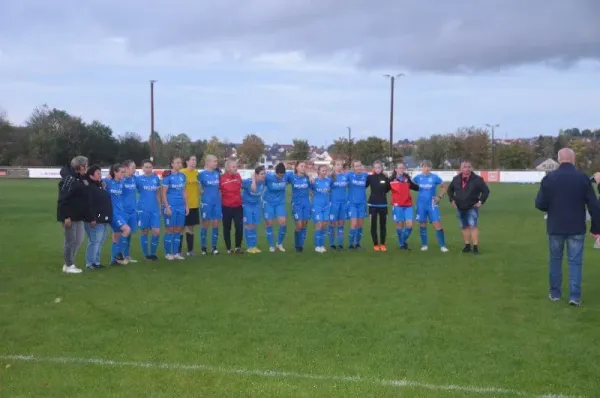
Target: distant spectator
[467,193]
[564,195]
[102,208]
[231,198]
[73,209]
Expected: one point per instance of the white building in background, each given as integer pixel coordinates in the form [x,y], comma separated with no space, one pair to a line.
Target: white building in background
[547,165]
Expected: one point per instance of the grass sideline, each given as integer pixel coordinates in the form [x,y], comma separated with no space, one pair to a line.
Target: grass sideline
[430,318]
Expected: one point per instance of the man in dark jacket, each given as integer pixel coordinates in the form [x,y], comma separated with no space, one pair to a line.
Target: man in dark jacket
[102,208]
[564,195]
[467,193]
[73,209]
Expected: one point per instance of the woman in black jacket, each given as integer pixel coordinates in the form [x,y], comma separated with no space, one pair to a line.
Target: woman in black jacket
[378,207]
[102,208]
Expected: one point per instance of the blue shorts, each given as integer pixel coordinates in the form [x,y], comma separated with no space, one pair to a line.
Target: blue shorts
[357,210]
[177,217]
[148,219]
[131,219]
[339,212]
[301,211]
[117,222]
[271,211]
[321,214]
[468,218]
[428,212]
[251,214]
[212,211]
[402,214]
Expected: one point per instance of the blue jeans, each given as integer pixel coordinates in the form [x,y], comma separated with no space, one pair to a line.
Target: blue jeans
[575,259]
[96,238]
[468,218]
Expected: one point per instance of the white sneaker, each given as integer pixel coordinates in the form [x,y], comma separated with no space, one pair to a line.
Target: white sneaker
[424,248]
[215,252]
[170,257]
[71,269]
[319,249]
[596,244]
[178,257]
[444,249]
[130,260]
[272,249]
[280,248]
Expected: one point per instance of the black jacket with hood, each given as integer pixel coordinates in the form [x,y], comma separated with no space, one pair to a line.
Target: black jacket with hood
[101,202]
[74,200]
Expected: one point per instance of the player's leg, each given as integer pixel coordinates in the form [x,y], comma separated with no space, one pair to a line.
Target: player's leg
[397,216]
[473,221]
[168,237]
[408,225]
[362,214]
[178,225]
[204,224]
[435,218]
[382,214]
[216,217]
[373,217]
[144,227]
[132,222]
[238,222]
[227,222]
[464,229]
[316,217]
[422,215]
[282,220]
[154,218]
[191,220]
[298,224]
[269,216]
[353,217]
[341,216]
[123,241]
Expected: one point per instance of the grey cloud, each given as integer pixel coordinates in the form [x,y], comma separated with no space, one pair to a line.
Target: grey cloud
[427,35]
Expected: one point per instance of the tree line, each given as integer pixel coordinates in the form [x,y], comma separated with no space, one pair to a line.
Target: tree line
[51,137]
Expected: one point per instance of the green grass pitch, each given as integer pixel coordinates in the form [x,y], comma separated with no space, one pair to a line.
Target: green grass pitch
[303,325]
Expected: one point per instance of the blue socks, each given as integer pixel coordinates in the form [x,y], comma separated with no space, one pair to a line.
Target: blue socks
[340,236]
[439,234]
[203,232]
[176,240]
[154,244]
[123,243]
[352,238]
[215,237]
[406,234]
[331,233]
[281,234]
[168,243]
[127,246]
[297,234]
[144,244]
[359,235]
[400,235]
[114,250]
[270,237]
[423,235]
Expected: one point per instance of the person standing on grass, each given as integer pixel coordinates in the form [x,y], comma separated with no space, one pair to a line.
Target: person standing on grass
[114,186]
[174,200]
[402,211]
[378,210]
[73,209]
[300,183]
[427,204]
[102,208]
[339,206]
[230,186]
[253,189]
[357,203]
[321,205]
[192,189]
[564,195]
[274,206]
[129,206]
[467,193]
[212,211]
[148,186]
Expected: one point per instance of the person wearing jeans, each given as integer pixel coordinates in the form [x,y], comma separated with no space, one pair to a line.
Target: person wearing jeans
[564,195]
[102,206]
[73,209]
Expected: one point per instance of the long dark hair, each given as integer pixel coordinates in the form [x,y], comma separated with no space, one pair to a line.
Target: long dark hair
[173,159]
[394,174]
[115,168]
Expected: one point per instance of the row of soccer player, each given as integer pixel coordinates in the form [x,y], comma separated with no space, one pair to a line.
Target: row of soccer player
[330,200]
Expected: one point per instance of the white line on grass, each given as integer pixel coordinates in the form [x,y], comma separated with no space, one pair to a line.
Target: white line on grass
[274,374]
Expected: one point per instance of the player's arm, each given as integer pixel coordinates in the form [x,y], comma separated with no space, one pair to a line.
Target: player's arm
[451,191]
[411,184]
[442,191]
[541,200]
[485,192]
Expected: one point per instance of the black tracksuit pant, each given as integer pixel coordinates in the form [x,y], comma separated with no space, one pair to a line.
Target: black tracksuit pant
[378,213]
[235,216]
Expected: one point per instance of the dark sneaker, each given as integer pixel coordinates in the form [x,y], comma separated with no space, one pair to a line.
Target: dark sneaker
[351,247]
[357,247]
[238,250]
[466,249]
[475,250]
[404,247]
[204,251]
[99,266]
[148,257]
[340,248]
[333,247]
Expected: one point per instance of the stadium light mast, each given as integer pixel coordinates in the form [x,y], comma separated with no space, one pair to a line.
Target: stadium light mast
[392,88]
[349,146]
[493,128]
[151,141]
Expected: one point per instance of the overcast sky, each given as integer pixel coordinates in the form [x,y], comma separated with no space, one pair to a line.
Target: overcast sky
[305,68]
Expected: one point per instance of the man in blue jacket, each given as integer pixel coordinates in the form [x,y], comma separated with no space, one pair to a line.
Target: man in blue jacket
[564,195]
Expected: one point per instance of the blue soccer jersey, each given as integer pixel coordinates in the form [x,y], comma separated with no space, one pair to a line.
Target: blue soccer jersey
[250,197]
[147,186]
[357,195]
[427,209]
[339,197]
[300,187]
[175,183]
[115,189]
[321,199]
[209,180]
[129,198]
[274,189]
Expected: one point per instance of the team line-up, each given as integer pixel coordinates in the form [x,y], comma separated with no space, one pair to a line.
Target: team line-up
[330,200]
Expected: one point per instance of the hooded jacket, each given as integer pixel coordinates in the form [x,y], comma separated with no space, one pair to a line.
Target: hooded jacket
[73,197]
[101,202]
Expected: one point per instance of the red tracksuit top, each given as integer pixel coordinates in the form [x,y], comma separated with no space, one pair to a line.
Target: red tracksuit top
[231,190]
[401,187]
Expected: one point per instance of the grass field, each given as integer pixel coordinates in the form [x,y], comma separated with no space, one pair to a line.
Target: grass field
[344,324]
